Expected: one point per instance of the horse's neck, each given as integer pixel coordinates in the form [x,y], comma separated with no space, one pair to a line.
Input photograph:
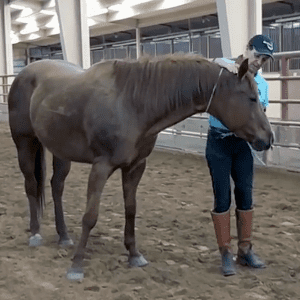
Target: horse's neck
[198,104]
[168,119]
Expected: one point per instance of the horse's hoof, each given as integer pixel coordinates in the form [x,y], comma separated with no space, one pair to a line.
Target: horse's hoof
[137,261]
[35,240]
[66,242]
[75,274]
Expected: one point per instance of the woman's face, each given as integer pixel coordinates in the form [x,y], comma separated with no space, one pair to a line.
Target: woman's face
[256,60]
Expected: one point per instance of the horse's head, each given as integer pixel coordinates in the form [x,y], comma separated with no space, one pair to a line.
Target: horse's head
[236,103]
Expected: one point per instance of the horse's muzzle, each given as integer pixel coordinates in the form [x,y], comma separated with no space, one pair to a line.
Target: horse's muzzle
[261,145]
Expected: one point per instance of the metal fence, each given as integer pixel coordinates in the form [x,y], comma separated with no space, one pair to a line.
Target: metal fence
[190,135]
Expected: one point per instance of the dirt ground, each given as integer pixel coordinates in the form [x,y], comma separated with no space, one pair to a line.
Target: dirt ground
[174,232]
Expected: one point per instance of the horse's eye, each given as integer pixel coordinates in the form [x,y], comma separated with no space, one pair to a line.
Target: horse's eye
[253,99]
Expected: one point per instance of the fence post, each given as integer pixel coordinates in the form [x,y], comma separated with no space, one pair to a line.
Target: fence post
[284,87]
[5,89]
[1,89]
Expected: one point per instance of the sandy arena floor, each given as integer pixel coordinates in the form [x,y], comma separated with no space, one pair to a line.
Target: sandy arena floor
[174,232]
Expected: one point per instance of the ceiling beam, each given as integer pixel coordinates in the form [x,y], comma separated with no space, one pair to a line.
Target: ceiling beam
[129,23]
[154,12]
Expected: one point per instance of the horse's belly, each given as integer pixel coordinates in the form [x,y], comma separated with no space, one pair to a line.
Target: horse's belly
[63,138]
[67,148]
[70,150]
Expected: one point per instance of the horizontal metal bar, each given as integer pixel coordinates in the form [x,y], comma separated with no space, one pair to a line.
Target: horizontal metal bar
[286,101]
[288,54]
[280,78]
[297,146]
[285,123]
[199,117]
[182,132]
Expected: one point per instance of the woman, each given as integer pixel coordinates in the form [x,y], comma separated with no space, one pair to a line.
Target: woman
[230,156]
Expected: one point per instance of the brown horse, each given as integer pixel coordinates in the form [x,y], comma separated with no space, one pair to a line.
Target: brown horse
[109,116]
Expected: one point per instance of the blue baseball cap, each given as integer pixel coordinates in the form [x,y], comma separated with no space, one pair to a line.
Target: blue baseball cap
[262,44]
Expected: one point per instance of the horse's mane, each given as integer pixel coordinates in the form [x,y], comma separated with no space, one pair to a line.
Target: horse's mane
[252,81]
[165,82]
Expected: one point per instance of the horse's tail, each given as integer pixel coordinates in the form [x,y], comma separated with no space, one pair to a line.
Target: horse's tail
[40,174]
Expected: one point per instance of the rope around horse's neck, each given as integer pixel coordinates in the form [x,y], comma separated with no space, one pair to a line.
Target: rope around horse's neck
[213,91]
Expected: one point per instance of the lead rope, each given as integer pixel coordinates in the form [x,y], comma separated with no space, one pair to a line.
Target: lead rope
[255,155]
[212,95]
[213,91]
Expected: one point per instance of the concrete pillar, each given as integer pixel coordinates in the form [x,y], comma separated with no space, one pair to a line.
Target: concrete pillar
[74,31]
[6,50]
[239,20]
[254,17]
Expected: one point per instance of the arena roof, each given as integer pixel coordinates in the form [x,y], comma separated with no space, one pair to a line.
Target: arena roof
[35,22]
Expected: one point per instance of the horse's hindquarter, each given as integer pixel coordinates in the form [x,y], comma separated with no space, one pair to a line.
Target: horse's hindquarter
[21,92]
[56,112]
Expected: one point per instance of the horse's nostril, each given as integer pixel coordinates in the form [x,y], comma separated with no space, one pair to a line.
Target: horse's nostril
[261,145]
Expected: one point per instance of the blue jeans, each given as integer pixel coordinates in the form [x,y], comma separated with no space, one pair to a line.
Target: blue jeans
[229,155]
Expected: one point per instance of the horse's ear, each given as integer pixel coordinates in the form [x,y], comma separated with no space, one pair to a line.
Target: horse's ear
[243,69]
[240,59]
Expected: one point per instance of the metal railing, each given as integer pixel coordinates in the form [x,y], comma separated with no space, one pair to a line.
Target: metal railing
[284,78]
[4,87]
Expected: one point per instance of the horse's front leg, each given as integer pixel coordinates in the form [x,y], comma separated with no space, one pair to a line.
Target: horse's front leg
[130,179]
[61,169]
[101,170]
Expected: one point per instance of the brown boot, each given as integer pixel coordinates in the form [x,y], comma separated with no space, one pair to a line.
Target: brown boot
[222,229]
[246,256]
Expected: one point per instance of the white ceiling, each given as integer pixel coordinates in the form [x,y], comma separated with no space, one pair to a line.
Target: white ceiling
[35,21]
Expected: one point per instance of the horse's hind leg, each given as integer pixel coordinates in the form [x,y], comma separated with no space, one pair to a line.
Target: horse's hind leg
[130,179]
[32,165]
[61,169]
